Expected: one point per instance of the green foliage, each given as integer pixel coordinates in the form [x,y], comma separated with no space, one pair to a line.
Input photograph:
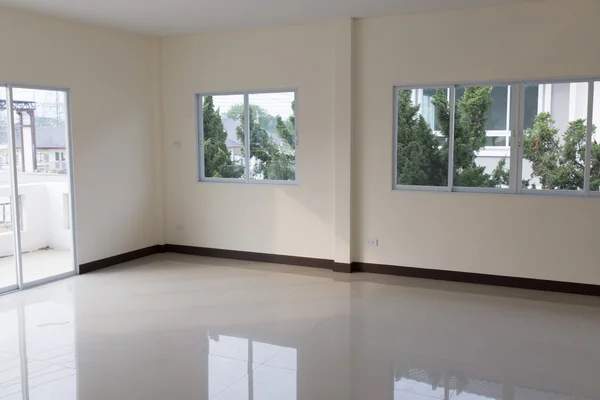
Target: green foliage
[217,158]
[265,120]
[560,166]
[423,154]
[272,161]
[595,167]
[286,130]
[421,159]
[558,161]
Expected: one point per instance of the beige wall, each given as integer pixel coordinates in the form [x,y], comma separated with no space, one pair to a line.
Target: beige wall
[113,78]
[291,220]
[344,73]
[546,238]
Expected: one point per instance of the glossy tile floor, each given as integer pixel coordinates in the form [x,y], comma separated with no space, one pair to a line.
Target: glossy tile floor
[179,327]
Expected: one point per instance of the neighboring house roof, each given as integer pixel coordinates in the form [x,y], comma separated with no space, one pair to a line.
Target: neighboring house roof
[230,126]
[232,144]
[45,137]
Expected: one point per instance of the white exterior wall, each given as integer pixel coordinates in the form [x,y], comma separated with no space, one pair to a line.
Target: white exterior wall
[43,218]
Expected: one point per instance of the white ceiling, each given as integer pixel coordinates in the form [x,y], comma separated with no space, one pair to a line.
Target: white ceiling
[175,17]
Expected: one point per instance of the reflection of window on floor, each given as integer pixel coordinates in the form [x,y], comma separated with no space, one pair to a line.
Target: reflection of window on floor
[246,369]
[37,351]
[421,384]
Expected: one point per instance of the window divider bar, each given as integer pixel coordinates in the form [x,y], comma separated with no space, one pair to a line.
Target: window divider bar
[517,113]
[588,145]
[200,136]
[395,139]
[15,203]
[509,92]
[520,124]
[451,137]
[247,133]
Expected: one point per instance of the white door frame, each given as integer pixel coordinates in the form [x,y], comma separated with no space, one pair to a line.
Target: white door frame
[16,206]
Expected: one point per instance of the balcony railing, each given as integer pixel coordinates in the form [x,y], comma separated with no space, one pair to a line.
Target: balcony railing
[55,167]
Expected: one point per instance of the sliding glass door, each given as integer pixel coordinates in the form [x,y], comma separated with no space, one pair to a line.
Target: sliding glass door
[36,187]
[8,266]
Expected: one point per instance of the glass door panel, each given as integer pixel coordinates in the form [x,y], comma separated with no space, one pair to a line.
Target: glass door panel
[8,267]
[42,164]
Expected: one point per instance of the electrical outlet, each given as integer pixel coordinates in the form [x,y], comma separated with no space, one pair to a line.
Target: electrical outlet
[373,242]
[180,227]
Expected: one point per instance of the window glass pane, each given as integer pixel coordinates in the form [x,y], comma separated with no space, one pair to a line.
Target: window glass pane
[475,166]
[427,109]
[272,136]
[223,133]
[8,267]
[531,104]
[498,110]
[496,141]
[554,147]
[422,148]
[498,113]
[40,118]
[595,161]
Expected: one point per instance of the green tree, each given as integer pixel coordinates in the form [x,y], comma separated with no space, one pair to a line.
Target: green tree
[217,158]
[471,115]
[283,164]
[560,165]
[272,161]
[286,130]
[265,120]
[423,154]
[422,160]
[262,146]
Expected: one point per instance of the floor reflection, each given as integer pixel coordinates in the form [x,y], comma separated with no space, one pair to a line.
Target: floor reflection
[37,347]
[263,371]
[10,360]
[182,328]
[410,382]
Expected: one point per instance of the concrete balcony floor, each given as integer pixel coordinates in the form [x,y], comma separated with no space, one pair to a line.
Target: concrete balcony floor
[36,265]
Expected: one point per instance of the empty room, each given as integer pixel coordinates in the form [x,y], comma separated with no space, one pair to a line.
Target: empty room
[299,200]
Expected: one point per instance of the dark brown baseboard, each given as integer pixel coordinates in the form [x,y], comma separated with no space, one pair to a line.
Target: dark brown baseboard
[481,279]
[119,259]
[250,256]
[423,273]
[342,267]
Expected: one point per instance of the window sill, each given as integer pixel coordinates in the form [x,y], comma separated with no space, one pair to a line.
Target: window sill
[251,182]
[499,191]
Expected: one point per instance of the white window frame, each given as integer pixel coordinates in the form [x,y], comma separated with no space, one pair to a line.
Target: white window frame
[516,110]
[417,97]
[202,178]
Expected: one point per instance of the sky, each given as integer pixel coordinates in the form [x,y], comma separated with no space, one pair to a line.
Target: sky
[274,103]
